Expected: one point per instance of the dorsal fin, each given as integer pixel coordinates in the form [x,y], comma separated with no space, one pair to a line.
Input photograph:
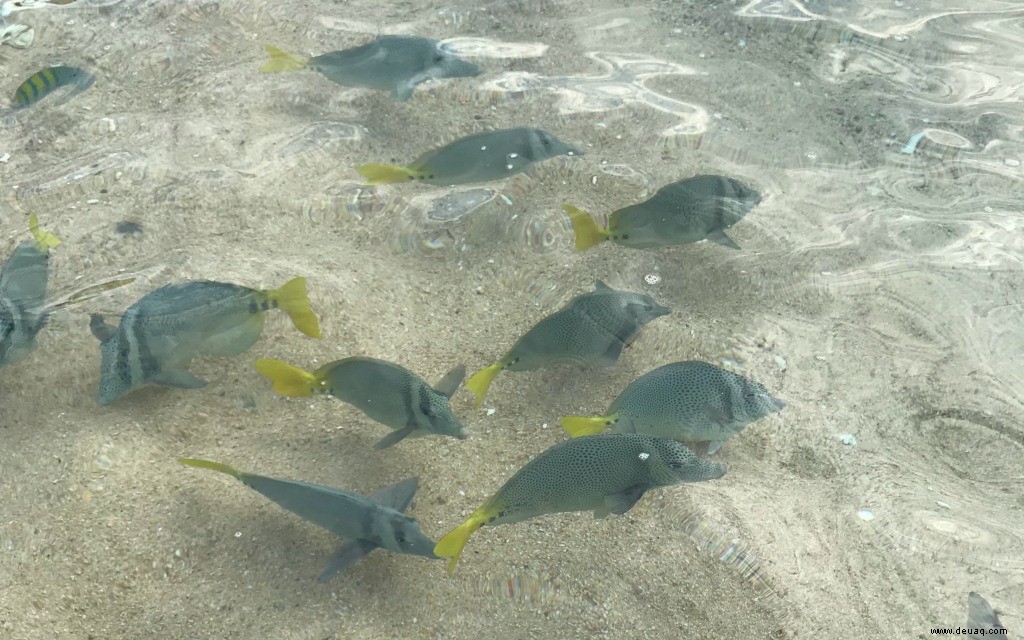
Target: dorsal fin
[397,496]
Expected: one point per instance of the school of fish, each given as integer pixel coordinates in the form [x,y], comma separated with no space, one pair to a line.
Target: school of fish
[612,460]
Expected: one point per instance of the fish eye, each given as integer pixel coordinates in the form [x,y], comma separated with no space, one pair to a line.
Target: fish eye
[439,57]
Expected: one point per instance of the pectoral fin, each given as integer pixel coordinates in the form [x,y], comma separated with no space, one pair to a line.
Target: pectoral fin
[449,384]
[394,437]
[100,329]
[178,378]
[611,356]
[714,446]
[620,503]
[347,555]
[721,417]
[719,237]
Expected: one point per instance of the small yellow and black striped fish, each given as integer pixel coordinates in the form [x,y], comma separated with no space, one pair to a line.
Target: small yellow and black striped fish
[43,82]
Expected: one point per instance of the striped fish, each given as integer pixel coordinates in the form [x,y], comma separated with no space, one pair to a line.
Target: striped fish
[365,523]
[23,281]
[166,329]
[42,83]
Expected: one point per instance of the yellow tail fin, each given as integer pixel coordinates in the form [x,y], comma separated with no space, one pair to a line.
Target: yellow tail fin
[577,426]
[282,61]
[385,173]
[288,380]
[587,232]
[452,544]
[481,381]
[292,298]
[216,466]
[44,239]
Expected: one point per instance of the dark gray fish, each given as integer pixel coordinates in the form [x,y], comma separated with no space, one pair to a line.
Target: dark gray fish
[691,401]
[590,330]
[386,392]
[365,523]
[604,474]
[23,281]
[481,157]
[691,210]
[393,63]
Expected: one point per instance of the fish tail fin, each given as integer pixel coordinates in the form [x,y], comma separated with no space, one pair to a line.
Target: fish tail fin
[44,239]
[292,298]
[480,381]
[454,542]
[587,232]
[208,464]
[288,380]
[281,60]
[577,426]
[386,173]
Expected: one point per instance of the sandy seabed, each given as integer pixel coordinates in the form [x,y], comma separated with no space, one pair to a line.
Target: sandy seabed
[876,291]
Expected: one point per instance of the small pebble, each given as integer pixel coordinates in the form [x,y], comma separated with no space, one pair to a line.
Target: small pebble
[943,504]
[848,439]
[490,411]
[780,362]
[4,158]
[865,515]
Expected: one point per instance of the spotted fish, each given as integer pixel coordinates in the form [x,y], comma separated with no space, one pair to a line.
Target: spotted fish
[390,394]
[590,330]
[167,328]
[365,523]
[393,63]
[690,401]
[481,157]
[23,282]
[604,474]
[691,210]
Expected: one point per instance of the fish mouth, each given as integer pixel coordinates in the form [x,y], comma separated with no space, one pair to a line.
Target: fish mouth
[659,311]
[780,404]
[574,151]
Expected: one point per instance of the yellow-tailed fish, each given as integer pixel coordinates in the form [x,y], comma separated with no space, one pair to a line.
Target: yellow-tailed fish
[691,210]
[390,394]
[393,63]
[42,83]
[167,328]
[366,523]
[690,401]
[23,281]
[590,330]
[604,474]
[481,157]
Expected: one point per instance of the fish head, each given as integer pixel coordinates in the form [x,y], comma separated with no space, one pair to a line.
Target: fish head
[643,308]
[439,417]
[543,145]
[683,465]
[746,195]
[445,64]
[757,401]
[406,537]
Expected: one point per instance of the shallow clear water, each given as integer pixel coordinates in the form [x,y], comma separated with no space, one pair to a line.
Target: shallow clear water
[877,291]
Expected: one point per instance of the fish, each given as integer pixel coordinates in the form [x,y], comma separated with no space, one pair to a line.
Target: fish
[386,392]
[366,523]
[23,281]
[982,621]
[393,63]
[167,328]
[603,473]
[691,210]
[590,330]
[45,81]
[690,401]
[481,157]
